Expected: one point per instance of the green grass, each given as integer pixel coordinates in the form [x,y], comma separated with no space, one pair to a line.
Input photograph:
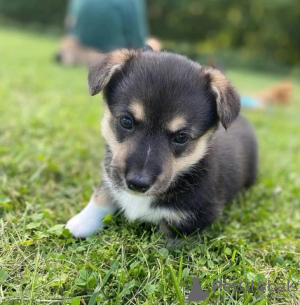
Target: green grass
[50,151]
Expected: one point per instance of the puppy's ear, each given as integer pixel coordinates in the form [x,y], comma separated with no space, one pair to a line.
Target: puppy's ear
[227,98]
[103,70]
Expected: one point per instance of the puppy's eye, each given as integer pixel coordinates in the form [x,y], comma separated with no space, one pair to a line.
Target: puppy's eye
[181,138]
[126,122]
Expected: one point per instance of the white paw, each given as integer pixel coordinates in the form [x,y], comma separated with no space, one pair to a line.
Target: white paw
[80,227]
[88,221]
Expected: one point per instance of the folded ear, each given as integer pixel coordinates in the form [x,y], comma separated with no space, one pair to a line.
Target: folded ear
[103,70]
[227,98]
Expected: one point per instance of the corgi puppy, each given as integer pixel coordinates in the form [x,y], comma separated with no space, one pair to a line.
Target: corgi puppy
[177,149]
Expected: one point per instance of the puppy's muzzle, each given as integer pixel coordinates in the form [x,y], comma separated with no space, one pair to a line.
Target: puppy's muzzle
[139,183]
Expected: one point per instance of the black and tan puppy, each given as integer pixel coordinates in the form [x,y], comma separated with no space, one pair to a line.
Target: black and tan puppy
[177,149]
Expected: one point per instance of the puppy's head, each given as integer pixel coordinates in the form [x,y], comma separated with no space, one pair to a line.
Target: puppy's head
[161,110]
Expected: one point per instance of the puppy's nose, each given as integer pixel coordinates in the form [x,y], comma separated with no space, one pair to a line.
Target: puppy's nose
[138,183]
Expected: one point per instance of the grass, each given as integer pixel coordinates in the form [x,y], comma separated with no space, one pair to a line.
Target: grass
[50,149]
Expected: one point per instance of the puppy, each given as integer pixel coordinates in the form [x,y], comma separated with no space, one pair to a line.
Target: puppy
[176,148]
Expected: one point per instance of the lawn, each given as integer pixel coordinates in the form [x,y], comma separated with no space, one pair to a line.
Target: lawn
[50,154]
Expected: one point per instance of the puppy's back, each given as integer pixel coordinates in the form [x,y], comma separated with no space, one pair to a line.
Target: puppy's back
[236,150]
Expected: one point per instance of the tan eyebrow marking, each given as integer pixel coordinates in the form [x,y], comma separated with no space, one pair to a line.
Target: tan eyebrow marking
[107,130]
[119,150]
[176,124]
[184,163]
[138,110]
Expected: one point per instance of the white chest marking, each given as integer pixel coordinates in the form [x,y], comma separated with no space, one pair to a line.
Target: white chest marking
[139,207]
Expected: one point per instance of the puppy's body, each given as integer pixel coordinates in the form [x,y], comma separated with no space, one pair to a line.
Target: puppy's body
[229,166]
[169,159]
[196,197]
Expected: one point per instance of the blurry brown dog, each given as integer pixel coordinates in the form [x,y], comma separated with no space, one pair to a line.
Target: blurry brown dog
[72,52]
[280,94]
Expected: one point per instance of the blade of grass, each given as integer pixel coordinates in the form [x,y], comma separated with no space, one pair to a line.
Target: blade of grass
[243,260]
[37,258]
[175,285]
[180,270]
[113,267]
[248,299]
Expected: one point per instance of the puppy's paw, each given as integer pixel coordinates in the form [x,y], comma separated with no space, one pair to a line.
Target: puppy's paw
[89,220]
[82,226]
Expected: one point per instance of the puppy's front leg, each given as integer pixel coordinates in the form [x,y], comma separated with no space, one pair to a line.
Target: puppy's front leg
[89,220]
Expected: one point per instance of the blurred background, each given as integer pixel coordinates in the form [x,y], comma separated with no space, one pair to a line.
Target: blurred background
[50,146]
[258,34]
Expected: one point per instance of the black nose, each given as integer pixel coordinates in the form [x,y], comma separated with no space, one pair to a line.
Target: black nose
[138,183]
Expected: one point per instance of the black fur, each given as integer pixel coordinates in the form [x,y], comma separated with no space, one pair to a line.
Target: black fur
[170,85]
[229,166]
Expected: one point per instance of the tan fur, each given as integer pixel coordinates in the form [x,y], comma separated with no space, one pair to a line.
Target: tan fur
[176,124]
[119,57]
[119,150]
[164,180]
[219,80]
[138,110]
[220,85]
[107,132]
[120,156]
[184,163]
[221,108]
[102,196]
[102,70]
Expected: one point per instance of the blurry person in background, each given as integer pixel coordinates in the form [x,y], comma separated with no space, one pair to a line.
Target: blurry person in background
[100,26]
